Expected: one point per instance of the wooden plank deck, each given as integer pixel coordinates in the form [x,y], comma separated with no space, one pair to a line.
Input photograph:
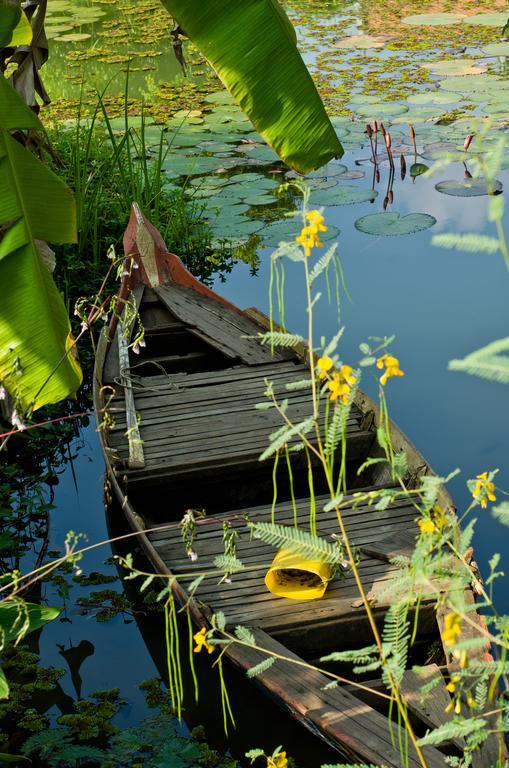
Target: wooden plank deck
[344,721]
[247,601]
[232,333]
[196,422]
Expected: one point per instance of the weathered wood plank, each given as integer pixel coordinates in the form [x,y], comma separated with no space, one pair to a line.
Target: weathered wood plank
[222,327]
[136,458]
[342,719]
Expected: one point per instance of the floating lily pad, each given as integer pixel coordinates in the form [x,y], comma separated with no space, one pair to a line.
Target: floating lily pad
[382,109]
[496,49]
[362,42]
[343,194]
[433,19]
[438,149]
[487,19]
[417,169]
[219,97]
[454,67]
[432,97]
[466,187]
[392,223]
[73,37]
[260,200]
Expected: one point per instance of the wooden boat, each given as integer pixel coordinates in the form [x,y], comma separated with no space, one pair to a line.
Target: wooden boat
[182,432]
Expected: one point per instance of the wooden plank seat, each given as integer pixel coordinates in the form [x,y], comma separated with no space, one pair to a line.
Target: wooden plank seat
[247,601]
[191,423]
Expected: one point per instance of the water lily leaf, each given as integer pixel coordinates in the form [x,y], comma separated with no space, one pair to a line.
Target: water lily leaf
[455,67]
[433,19]
[220,97]
[73,37]
[417,169]
[383,109]
[466,187]
[487,19]
[330,170]
[343,194]
[260,200]
[362,42]
[466,84]
[438,149]
[432,97]
[392,223]
[496,49]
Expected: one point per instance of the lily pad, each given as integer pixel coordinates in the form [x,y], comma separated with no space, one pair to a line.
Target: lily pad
[417,169]
[260,200]
[496,49]
[73,37]
[392,223]
[362,42]
[343,194]
[438,149]
[466,187]
[382,109]
[487,19]
[432,97]
[455,67]
[433,19]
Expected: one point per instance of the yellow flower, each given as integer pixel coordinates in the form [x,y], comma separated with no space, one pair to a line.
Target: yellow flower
[484,490]
[277,761]
[341,383]
[426,525]
[323,364]
[200,638]
[391,365]
[452,629]
[309,236]
[316,221]
[451,687]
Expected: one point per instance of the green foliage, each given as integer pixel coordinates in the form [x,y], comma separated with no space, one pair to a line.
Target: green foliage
[489,362]
[281,99]
[301,542]
[287,434]
[261,667]
[396,640]
[501,512]
[455,729]
[37,364]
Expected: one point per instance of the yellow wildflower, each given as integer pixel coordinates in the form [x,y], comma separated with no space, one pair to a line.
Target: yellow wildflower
[316,221]
[471,701]
[452,629]
[439,517]
[426,525]
[200,638]
[323,364]
[341,383]
[278,761]
[391,365]
[484,490]
[451,687]
[309,237]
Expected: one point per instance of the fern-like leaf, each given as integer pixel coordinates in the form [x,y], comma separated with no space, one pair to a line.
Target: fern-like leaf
[244,635]
[280,339]
[489,362]
[262,667]
[469,242]
[298,429]
[298,541]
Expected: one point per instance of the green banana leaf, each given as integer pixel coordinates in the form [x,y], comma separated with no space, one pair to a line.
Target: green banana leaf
[15,28]
[38,364]
[252,46]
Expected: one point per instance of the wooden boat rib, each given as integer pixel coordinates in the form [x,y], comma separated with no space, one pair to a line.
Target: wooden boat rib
[185,434]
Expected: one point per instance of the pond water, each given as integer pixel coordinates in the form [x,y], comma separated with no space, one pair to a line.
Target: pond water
[371,61]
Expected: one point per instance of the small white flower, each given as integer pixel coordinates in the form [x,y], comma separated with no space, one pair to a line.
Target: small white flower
[16,421]
[135,265]
[227,580]
[136,349]
[3,393]
[125,273]
[192,555]
[142,343]
[84,326]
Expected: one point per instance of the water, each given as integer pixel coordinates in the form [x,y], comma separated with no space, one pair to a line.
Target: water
[440,304]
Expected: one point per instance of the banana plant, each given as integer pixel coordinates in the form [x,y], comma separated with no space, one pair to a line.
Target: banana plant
[252,47]
[38,362]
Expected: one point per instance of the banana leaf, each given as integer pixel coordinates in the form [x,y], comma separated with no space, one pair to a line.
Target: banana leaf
[38,364]
[252,46]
